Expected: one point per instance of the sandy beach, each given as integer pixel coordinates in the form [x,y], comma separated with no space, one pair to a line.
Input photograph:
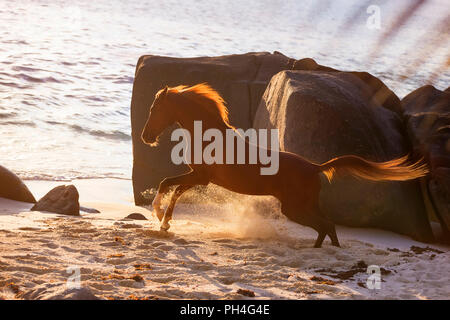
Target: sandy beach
[110,111]
[212,251]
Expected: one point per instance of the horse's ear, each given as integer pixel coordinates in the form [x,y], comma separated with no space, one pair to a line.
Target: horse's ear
[164,92]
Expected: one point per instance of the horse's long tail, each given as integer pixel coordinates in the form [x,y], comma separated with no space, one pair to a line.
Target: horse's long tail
[398,169]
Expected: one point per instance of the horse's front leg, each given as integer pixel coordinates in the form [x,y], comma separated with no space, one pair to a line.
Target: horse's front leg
[156,204]
[162,189]
[168,214]
[191,178]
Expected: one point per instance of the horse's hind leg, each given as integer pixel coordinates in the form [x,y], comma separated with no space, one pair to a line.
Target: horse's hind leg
[315,219]
[306,216]
[333,236]
[324,227]
[320,239]
[309,214]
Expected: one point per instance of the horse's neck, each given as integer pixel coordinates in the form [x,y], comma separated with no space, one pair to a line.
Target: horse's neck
[205,125]
[188,116]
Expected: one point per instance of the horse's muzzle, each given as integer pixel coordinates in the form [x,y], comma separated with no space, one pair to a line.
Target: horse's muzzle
[149,139]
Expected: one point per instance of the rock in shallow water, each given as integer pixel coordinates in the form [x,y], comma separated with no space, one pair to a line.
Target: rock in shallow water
[62,200]
[11,187]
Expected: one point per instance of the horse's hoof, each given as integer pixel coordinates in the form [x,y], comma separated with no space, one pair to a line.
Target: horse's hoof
[337,245]
[164,227]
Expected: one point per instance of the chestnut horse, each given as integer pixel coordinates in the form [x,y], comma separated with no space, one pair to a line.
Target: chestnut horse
[296,184]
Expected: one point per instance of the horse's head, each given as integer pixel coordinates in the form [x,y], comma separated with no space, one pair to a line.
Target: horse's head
[159,118]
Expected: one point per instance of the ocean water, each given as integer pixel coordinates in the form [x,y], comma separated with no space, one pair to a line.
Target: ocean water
[67,67]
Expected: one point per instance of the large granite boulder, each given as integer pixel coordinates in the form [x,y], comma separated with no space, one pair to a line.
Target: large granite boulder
[240,79]
[325,114]
[61,199]
[378,91]
[427,113]
[12,187]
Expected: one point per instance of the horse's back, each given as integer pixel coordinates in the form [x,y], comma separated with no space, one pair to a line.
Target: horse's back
[295,175]
[292,163]
[243,178]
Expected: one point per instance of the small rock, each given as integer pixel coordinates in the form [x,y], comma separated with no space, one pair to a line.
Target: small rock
[245,292]
[89,210]
[420,250]
[137,278]
[321,280]
[180,241]
[142,266]
[136,216]
[62,199]
[385,272]
[360,265]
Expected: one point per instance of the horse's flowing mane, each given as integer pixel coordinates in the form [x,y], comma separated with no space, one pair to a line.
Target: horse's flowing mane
[207,97]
